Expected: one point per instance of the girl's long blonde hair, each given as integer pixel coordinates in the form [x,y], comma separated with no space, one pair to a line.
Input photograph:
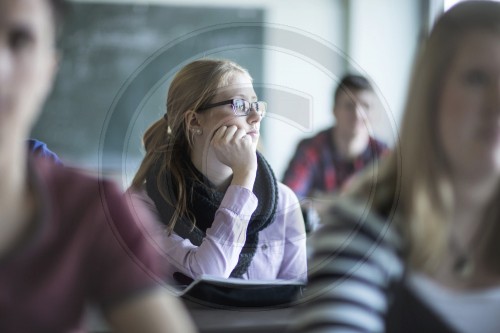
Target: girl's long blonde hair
[168,143]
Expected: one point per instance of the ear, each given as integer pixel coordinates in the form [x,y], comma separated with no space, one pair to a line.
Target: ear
[54,65]
[51,69]
[334,111]
[191,119]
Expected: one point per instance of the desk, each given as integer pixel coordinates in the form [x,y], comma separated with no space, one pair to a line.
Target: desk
[213,320]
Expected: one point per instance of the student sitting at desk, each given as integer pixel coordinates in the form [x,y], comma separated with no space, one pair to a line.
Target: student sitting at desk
[65,239]
[324,163]
[224,211]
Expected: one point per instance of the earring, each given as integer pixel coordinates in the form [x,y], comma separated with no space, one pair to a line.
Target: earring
[197,131]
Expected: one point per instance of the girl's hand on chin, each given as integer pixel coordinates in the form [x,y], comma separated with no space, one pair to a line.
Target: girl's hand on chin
[234,148]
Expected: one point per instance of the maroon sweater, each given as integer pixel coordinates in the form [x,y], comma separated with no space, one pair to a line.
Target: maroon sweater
[84,244]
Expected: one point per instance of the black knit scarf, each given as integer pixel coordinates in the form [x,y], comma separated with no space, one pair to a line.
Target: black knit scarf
[204,200]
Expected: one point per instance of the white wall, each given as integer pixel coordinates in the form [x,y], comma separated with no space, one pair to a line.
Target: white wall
[382,41]
[320,22]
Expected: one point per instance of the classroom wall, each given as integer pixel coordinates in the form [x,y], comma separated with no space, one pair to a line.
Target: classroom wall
[382,39]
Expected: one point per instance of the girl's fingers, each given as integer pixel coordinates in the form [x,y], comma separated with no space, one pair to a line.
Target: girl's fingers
[228,135]
[219,133]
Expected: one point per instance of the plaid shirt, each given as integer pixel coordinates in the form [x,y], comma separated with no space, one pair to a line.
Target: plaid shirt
[317,166]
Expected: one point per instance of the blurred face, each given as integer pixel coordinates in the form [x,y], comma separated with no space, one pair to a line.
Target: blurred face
[469,108]
[27,60]
[239,86]
[350,111]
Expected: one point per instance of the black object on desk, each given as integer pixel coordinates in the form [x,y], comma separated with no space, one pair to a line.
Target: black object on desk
[237,293]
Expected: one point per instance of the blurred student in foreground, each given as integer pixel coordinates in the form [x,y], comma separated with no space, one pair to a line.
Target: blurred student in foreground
[65,239]
[417,249]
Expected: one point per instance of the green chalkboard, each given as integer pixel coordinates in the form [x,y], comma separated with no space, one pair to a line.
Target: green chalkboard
[117,61]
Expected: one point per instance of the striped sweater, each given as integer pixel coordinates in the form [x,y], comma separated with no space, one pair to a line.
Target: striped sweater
[356,258]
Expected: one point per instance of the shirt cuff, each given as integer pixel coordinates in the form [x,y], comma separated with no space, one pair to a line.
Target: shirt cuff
[239,200]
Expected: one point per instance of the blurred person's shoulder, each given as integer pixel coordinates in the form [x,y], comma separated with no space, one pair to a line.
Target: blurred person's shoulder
[72,193]
[71,196]
[348,210]
[358,216]
[64,178]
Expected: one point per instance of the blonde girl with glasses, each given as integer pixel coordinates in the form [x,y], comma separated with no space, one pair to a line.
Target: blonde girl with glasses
[224,213]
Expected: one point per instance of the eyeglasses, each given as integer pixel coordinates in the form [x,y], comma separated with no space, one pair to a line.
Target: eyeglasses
[241,107]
